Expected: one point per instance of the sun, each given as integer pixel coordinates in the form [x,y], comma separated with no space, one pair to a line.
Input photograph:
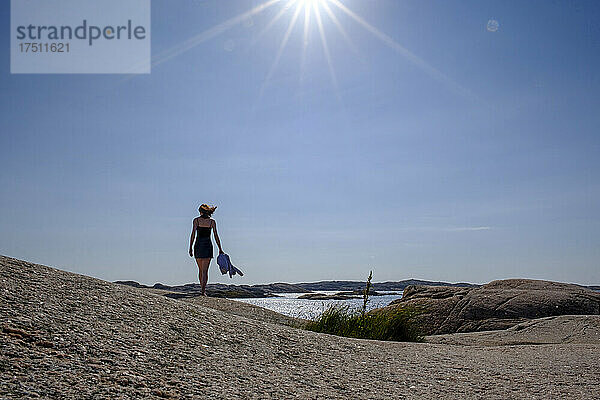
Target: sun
[312,11]
[320,12]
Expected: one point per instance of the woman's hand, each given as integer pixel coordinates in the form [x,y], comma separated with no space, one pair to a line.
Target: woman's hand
[191,253]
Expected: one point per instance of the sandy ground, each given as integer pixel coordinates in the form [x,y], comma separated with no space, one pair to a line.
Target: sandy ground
[67,336]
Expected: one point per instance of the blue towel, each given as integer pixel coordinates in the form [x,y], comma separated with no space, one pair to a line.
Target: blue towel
[226,266]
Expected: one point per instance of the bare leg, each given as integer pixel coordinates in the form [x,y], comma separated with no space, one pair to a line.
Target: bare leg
[199,262]
[204,269]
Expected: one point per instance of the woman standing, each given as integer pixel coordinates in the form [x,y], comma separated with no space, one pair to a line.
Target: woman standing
[203,249]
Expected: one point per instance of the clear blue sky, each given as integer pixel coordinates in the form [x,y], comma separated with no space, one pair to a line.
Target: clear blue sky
[473,156]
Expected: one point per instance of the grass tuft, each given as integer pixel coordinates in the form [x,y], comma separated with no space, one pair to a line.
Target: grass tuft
[396,324]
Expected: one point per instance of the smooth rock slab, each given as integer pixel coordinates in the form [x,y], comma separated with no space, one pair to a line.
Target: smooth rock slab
[580,329]
[113,341]
[497,305]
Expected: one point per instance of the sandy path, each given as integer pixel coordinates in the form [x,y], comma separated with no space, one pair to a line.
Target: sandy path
[86,338]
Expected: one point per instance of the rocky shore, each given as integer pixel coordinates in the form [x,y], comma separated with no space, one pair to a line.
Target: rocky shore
[191,290]
[346,288]
[355,294]
[496,305]
[68,336]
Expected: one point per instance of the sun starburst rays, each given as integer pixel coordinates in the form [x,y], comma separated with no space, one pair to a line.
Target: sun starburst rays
[307,14]
[312,11]
[284,41]
[340,27]
[272,22]
[326,49]
[210,33]
[404,52]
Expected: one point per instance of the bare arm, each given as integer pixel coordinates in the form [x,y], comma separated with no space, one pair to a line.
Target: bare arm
[217,237]
[192,237]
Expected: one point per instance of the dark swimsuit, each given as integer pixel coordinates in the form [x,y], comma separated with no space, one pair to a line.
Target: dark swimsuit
[203,247]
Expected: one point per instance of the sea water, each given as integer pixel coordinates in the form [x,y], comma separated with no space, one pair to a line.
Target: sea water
[289,303]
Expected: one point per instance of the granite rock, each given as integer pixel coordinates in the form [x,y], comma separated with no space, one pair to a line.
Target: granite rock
[497,305]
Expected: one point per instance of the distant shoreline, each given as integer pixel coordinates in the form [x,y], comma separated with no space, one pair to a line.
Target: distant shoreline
[271,289]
